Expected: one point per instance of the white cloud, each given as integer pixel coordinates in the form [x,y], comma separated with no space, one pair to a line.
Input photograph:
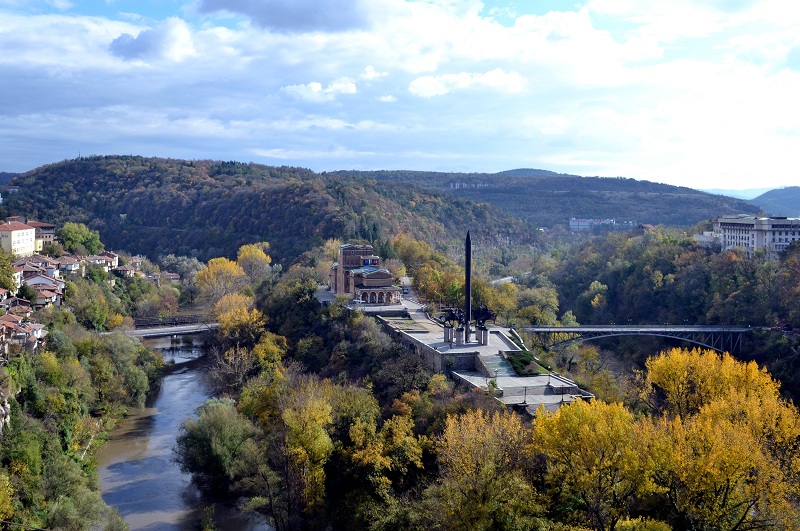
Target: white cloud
[170,40]
[315,93]
[370,73]
[497,79]
[680,91]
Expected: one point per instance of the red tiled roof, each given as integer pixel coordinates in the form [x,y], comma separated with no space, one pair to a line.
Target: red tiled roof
[14,225]
[40,224]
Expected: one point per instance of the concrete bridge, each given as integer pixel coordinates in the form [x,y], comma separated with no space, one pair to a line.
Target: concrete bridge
[719,338]
[173,320]
[173,330]
[174,325]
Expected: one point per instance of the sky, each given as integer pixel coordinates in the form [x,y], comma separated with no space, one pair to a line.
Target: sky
[698,93]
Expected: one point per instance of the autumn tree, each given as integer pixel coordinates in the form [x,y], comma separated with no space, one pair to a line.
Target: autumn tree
[255,262]
[483,459]
[596,458]
[727,453]
[221,277]
[385,455]
[680,382]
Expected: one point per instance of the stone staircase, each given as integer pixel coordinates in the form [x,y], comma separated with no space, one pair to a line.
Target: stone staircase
[495,362]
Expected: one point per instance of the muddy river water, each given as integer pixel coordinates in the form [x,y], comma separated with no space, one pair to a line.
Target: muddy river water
[138,472]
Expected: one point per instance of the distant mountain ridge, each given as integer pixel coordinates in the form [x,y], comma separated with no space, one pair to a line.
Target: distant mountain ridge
[780,202]
[157,206]
[547,199]
[746,194]
[207,208]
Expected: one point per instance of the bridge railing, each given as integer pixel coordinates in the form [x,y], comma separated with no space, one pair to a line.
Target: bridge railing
[174,320]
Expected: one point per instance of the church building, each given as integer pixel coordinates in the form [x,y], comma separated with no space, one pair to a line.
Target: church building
[358,273]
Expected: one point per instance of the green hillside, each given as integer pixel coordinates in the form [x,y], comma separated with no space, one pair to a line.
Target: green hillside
[547,199]
[5,177]
[156,206]
[780,202]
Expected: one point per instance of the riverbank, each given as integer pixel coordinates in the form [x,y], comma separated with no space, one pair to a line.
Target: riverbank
[138,472]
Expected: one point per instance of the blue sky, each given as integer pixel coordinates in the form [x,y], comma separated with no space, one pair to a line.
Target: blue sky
[699,93]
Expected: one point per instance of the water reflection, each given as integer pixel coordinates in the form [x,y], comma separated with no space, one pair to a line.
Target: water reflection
[138,473]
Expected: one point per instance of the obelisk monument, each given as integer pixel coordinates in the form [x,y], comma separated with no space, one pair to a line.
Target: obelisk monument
[467,287]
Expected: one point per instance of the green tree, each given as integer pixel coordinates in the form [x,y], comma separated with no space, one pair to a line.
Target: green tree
[211,444]
[6,272]
[79,239]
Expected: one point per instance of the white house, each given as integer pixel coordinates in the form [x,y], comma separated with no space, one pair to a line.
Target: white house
[17,238]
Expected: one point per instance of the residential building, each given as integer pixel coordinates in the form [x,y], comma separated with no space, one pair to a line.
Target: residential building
[170,277]
[17,238]
[576,224]
[69,264]
[38,279]
[113,258]
[751,233]
[45,233]
[103,261]
[39,263]
[124,271]
[17,276]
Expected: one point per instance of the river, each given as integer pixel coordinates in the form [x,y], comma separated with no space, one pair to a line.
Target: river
[138,472]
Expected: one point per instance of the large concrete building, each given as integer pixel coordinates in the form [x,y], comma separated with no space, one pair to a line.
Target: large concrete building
[358,273]
[17,238]
[751,233]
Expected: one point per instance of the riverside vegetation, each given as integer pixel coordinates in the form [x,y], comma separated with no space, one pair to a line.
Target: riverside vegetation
[61,400]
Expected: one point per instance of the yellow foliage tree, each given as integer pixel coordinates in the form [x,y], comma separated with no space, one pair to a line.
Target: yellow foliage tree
[679,381]
[727,446]
[6,498]
[239,323]
[232,302]
[269,351]
[220,278]
[308,447]
[385,454]
[254,261]
[482,458]
[717,476]
[597,459]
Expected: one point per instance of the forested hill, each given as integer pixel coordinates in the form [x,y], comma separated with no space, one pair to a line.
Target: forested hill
[157,206]
[547,199]
[5,177]
[780,202]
